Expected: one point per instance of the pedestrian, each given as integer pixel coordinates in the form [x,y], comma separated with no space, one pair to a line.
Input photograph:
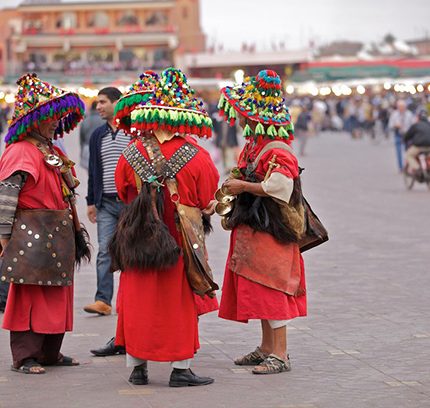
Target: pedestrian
[267,219]
[90,123]
[104,206]
[138,92]
[303,129]
[37,225]
[4,289]
[158,313]
[400,121]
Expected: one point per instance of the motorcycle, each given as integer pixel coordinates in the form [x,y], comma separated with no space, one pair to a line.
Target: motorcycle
[422,175]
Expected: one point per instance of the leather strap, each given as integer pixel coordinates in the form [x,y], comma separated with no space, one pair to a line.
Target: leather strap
[158,165]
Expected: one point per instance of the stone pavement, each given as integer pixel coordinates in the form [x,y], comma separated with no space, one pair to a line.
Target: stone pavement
[365,343]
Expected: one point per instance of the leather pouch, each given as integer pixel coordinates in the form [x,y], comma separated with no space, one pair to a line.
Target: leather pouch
[41,250]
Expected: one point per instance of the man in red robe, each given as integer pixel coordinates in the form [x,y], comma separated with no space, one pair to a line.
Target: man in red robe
[39,307]
[157,309]
[267,219]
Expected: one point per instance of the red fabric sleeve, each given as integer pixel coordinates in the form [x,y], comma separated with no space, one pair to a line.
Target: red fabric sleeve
[288,163]
[20,156]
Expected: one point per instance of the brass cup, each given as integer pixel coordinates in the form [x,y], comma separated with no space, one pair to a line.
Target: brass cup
[223,209]
[222,196]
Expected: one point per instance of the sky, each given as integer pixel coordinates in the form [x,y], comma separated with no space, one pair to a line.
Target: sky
[298,22]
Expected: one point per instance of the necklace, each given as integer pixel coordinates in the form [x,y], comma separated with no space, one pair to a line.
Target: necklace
[45,147]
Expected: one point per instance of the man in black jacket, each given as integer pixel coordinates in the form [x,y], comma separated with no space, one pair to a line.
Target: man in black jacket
[417,138]
[104,207]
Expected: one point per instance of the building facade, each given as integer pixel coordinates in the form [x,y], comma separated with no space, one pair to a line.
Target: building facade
[91,41]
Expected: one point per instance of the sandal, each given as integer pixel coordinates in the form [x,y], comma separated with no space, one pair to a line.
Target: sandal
[251,359]
[273,365]
[66,362]
[29,367]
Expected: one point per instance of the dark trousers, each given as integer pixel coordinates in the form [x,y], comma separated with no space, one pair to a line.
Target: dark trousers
[44,348]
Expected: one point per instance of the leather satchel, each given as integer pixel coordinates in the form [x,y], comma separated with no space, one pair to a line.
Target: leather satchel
[190,224]
[314,234]
[41,250]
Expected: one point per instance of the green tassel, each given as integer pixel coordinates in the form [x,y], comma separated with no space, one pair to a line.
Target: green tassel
[173,116]
[247,131]
[271,131]
[282,132]
[259,129]
[232,113]
[207,122]
[197,120]
[163,115]
[221,101]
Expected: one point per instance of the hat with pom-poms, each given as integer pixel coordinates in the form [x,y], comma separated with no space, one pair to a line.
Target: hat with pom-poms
[139,92]
[172,106]
[258,99]
[37,101]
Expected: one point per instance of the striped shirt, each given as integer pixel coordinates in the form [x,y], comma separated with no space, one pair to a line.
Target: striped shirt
[113,143]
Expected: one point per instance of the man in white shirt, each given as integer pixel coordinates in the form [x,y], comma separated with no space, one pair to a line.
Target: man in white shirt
[400,121]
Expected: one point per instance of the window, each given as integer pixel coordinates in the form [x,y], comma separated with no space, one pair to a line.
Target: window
[156,18]
[99,19]
[67,21]
[128,18]
[32,26]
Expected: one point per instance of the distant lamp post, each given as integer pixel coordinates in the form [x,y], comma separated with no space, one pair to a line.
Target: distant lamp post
[239,75]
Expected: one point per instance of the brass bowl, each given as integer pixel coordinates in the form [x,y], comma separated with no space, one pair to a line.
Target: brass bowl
[223,209]
[223,197]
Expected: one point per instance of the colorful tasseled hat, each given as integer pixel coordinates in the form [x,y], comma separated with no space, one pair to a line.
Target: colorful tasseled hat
[138,93]
[259,99]
[173,107]
[37,101]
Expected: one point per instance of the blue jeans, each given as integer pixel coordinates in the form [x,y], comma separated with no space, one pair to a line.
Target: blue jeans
[107,218]
[398,142]
[4,289]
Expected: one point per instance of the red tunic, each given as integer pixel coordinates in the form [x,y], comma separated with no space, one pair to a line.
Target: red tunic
[243,299]
[42,309]
[157,317]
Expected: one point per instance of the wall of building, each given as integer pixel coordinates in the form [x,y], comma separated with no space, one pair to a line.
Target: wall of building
[92,38]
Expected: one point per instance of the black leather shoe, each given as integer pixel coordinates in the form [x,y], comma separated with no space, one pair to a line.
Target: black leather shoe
[139,375]
[185,378]
[109,349]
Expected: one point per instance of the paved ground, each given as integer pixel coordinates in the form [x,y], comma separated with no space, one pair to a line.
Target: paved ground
[367,338]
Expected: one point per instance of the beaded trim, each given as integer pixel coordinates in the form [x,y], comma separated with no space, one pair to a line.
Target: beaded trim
[146,170]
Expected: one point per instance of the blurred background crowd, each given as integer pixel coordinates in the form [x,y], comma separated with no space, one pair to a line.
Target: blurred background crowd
[336,79]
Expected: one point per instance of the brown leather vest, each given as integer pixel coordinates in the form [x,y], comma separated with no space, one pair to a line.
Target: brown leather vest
[41,250]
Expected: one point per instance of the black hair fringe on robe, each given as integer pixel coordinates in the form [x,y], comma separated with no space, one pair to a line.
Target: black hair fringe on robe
[264,214]
[141,240]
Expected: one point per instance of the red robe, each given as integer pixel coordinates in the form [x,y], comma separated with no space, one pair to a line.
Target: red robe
[42,309]
[157,317]
[243,299]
